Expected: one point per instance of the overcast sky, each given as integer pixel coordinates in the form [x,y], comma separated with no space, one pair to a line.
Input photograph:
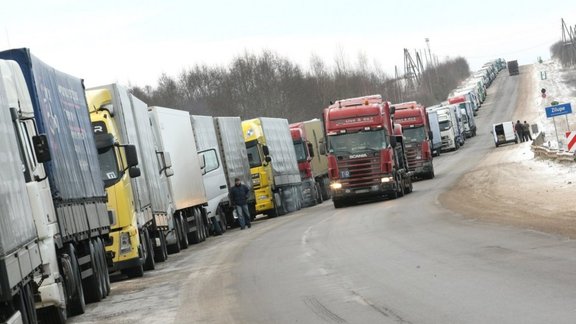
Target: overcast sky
[136,40]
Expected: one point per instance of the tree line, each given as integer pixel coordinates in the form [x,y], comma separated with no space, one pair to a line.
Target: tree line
[268,85]
[565,53]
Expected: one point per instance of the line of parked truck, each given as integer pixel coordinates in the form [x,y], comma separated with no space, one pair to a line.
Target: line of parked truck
[377,149]
[452,121]
[94,181]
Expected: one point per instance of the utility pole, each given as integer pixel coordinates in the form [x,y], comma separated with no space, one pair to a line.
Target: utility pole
[430,59]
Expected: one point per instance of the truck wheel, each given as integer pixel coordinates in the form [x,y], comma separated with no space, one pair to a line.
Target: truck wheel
[222,220]
[204,226]
[196,236]
[100,268]
[184,242]
[76,303]
[135,272]
[338,203]
[104,263]
[175,248]
[161,252]
[149,263]
[92,286]
[24,301]
[52,315]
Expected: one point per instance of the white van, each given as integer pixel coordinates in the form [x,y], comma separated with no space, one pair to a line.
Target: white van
[504,133]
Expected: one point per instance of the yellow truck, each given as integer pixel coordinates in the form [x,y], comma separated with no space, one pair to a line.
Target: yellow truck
[275,175]
[138,232]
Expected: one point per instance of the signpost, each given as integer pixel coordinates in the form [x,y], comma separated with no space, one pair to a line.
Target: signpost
[559,110]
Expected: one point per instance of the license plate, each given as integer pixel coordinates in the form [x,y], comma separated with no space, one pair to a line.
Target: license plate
[344,174]
[362,191]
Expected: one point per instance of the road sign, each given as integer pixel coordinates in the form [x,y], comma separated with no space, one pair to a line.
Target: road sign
[571,140]
[558,110]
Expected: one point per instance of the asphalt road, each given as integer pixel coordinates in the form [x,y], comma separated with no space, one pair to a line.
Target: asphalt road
[398,261]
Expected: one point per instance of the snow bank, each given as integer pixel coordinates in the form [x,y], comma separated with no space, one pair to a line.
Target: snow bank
[551,76]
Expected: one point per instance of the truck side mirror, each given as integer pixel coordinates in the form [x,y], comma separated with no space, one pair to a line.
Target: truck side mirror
[131,155]
[134,172]
[168,173]
[265,150]
[310,150]
[430,135]
[268,159]
[41,148]
[393,141]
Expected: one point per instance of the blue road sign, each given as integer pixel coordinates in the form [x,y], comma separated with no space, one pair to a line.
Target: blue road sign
[558,110]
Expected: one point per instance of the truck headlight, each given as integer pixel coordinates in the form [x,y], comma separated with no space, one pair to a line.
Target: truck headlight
[125,246]
[386,179]
[336,185]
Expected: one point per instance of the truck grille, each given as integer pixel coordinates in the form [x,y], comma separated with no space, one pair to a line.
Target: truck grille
[411,156]
[360,172]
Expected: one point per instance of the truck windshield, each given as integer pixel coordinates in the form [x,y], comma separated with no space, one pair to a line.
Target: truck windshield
[109,167]
[445,125]
[357,142]
[300,149]
[253,154]
[414,134]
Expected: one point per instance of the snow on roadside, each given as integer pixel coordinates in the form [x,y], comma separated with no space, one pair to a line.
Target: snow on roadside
[555,82]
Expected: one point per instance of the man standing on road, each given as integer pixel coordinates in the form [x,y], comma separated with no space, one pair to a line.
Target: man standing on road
[526,129]
[238,196]
[519,130]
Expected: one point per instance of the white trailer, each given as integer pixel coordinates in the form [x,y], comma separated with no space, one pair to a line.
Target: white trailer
[173,133]
[20,257]
[234,160]
[214,172]
[435,129]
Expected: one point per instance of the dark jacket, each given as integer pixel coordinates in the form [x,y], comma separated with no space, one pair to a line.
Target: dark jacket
[239,195]
[519,128]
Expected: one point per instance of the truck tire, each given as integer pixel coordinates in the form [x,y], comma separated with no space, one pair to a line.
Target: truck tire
[24,302]
[204,226]
[196,236]
[100,268]
[76,303]
[134,272]
[92,286]
[175,248]
[161,252]
[52,315]
[105,274]
[149,262]
[338,203]
[184,242]
[222,220]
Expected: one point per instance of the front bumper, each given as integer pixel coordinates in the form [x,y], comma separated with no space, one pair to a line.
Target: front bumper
[264,200]
[372,191]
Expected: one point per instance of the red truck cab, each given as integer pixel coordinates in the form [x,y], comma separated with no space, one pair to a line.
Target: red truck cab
[361,150]
[417,138]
